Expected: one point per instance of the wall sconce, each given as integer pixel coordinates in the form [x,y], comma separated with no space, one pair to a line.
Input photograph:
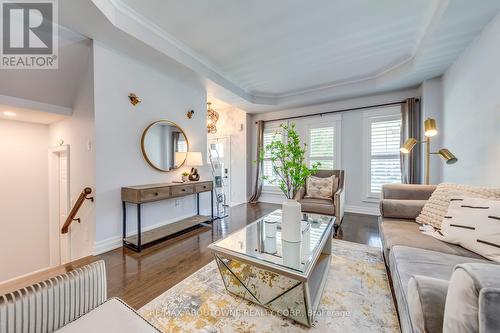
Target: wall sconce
[212,118]
[134,99]
[190,114]
[430,130]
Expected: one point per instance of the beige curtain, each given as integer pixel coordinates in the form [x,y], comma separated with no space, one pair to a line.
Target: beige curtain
[258,170]
[411,167]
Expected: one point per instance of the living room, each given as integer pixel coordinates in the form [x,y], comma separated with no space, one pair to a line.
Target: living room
[171,166]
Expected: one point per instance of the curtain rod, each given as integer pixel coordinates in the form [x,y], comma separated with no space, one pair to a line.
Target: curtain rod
[337,111]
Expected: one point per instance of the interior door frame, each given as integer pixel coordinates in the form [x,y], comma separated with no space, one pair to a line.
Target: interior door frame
[56,239]
[228,138]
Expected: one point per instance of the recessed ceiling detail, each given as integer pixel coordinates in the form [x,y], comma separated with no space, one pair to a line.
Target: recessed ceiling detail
[291,52]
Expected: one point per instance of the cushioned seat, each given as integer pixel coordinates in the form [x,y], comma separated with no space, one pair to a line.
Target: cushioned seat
[111,316]
[319,206]
[406,262]
[406,233]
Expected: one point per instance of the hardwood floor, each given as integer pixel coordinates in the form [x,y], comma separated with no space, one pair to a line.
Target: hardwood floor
[137,278]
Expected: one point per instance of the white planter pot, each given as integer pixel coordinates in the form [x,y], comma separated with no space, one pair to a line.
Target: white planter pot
[290,223]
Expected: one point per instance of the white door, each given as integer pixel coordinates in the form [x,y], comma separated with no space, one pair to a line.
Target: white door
[59,204]
[220,153]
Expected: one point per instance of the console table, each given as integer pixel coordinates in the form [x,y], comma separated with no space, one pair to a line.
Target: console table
[141,194]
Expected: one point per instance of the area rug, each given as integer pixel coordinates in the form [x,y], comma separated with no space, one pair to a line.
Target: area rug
[356,298]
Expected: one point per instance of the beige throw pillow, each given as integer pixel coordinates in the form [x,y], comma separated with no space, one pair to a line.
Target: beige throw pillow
[474,224]
[320,188]
[436,207]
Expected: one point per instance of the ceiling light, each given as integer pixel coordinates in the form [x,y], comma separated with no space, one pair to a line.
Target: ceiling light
[9,114]
[212,117]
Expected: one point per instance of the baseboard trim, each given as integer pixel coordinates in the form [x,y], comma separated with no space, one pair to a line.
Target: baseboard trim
[362,210]
[115,242]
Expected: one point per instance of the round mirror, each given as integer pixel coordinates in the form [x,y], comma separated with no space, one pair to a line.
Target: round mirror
[164,145]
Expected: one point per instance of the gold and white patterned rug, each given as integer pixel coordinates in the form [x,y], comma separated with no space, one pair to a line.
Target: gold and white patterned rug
[356,298]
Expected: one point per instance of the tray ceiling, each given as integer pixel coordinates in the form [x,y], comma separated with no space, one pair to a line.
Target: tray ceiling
[263,54]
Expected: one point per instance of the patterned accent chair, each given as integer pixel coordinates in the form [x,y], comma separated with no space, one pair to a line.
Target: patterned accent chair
[333,206]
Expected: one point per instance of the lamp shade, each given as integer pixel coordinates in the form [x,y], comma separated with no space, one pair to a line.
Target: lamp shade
[447,156]
[194,158]
[430,128]
[408,146]
[179,158]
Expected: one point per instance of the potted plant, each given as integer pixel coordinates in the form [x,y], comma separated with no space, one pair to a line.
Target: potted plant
[185,176]
[290,173]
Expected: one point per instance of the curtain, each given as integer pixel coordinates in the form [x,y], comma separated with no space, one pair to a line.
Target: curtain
[411,167]
[258,170]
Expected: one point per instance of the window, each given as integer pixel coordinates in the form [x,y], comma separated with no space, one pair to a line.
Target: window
[321,146]
[384,143]
[270,134]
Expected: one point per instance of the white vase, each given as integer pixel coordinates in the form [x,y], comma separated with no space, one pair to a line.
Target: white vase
[290,221]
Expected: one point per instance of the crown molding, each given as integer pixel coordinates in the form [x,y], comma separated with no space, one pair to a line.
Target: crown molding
[126,19]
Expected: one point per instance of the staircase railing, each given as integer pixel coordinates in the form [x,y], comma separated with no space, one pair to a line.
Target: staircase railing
[79,202]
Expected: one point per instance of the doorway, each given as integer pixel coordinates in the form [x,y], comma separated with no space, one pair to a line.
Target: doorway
[219,154]
[59,204]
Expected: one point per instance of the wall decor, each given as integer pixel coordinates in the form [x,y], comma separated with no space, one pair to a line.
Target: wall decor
[190,114]
[134,99]
[164,145]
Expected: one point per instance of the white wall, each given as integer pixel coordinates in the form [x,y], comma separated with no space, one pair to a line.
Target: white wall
[24,219]
[471,95]
[351,141]
[432,107]
[78,132]
[118,130]
[233,123]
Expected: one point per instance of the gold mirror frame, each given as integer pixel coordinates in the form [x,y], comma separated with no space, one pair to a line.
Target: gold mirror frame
[143,149]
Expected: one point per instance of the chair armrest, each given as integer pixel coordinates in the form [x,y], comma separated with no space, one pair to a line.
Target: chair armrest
[407,191]
[402,209]
[338,202]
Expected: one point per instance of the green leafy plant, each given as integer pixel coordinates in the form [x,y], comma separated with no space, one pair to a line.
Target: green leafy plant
[185,173]
[287,159]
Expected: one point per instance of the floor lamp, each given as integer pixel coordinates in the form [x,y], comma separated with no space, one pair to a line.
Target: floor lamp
[430,130]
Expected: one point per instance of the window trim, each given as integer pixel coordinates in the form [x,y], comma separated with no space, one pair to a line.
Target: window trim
[320,123]
[269,188]
[383,114]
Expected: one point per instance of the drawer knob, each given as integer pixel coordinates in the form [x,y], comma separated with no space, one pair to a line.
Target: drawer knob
[183,189]
[156,193]
[204,186]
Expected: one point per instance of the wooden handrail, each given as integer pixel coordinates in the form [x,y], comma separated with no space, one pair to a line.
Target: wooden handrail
[71,217]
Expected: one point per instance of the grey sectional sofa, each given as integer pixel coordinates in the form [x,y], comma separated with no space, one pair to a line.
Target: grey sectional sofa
[421,268]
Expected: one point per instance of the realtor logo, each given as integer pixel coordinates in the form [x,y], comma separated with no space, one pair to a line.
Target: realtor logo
[29,34]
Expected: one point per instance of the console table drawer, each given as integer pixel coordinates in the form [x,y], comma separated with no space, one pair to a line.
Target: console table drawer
[155,194]
[178,191]
[203,187]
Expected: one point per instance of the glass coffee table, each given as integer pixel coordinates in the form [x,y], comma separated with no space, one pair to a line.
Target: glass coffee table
[285,277]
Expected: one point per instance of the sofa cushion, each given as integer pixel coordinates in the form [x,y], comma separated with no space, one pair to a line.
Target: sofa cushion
[473,300]
[111,316]
[426,300]
[407,233]
[406,262]
[321,188]
[404,209]
[319,206]
[474,224]
[436,207]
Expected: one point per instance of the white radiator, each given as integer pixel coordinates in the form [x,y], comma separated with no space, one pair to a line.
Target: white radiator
[51,304]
